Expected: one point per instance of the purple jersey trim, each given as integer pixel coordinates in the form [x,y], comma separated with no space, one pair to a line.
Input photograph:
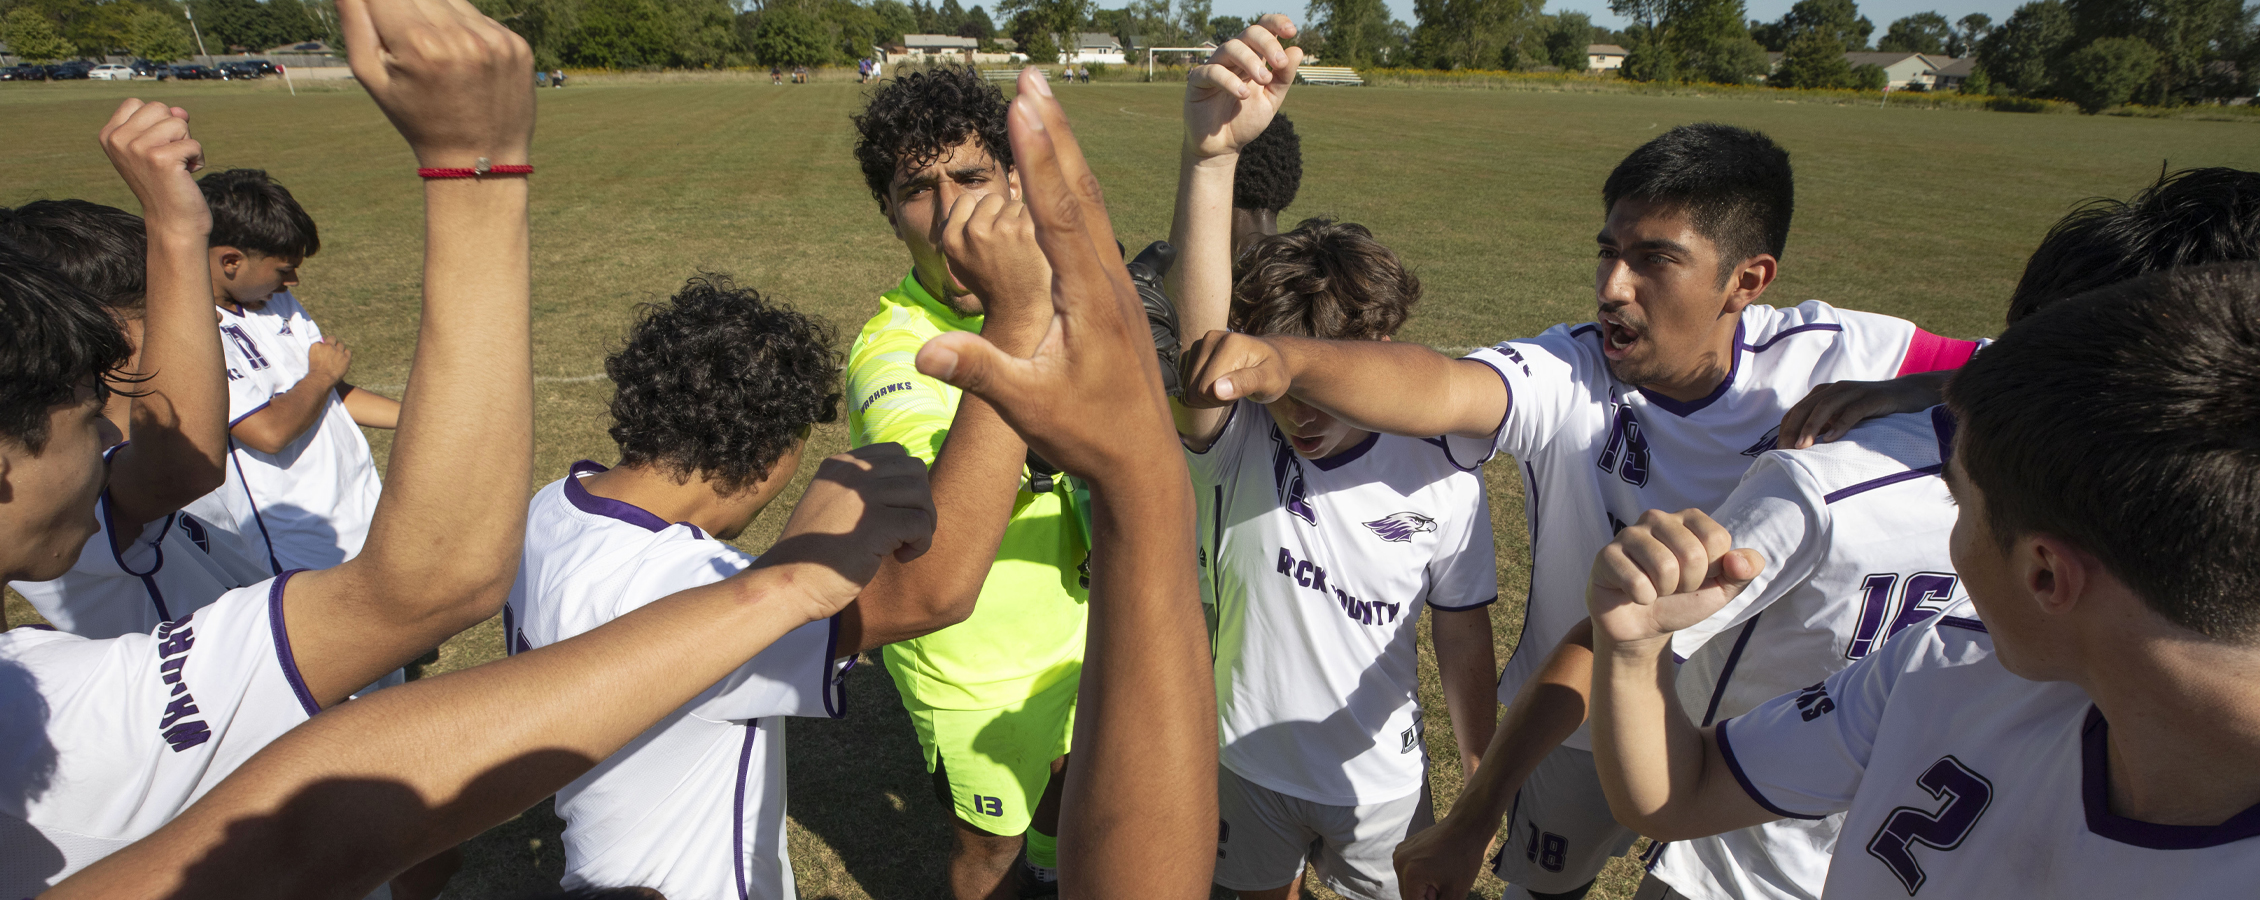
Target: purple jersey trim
[1960,622]
[1942,422]
[835,675]
[1494,599]
[2095,781]
[1496,430]
[157,547]
[1230,413]
[1351,455]
[1733,765]
[274,563]
[282,645]
[1733,658]
[606,506]
[254,411]
[737,808]
[1685,408]
[1885,481]
[1768,343]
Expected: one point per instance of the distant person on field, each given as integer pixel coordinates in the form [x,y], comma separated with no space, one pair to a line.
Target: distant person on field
[149,562]
[992,699]
[776,75]
[304,485]
[1322,544]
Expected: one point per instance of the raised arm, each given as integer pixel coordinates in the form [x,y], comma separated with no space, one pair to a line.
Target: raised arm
[353,797]
[1665,777]
[179,435]
[1364,383]
[1228,102]
[447,535]
[991,245]
[1443,861]
[1139,817]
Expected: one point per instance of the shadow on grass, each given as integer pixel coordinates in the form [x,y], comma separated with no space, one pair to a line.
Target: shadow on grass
[859,786]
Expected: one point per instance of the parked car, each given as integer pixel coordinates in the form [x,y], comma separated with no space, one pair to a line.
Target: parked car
[111,72]
[266,67]
[143,68]
[69,71]
[238,71]
[24,72]
[194,72]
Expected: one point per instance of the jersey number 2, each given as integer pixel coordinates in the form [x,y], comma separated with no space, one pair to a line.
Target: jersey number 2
[1967,794]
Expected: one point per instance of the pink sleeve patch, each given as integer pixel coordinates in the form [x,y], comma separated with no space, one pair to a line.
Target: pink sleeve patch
[1928,352]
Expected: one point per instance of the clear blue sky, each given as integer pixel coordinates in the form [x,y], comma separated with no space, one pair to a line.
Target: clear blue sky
[1881,12]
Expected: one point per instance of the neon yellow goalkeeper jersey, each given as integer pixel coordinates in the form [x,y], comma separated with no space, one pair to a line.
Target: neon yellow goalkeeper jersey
[1026,632]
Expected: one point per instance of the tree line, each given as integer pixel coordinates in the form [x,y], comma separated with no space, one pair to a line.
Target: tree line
[2097,53]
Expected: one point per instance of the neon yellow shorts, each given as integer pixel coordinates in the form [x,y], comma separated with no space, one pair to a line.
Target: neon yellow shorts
[998,760]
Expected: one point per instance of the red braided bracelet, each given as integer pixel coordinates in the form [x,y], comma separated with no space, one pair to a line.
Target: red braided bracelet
[483,168]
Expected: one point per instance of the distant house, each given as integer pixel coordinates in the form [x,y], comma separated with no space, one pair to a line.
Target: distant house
[1093,47]
[1603,57]
[1902,69]
[1951,76]
[935,47]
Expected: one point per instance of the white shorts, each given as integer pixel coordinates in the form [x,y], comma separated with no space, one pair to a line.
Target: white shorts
[1266,836]
[1561,832]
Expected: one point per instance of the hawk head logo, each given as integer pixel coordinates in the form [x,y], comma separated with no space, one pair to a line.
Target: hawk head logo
[1400,527]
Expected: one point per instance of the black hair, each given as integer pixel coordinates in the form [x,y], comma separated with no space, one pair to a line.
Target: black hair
[720,382]
[915,119]
[2191,217]
[1734,183]
[1271,168]
[102,249]
[1325,279]
[55,340]
[250,211]
[2123,422]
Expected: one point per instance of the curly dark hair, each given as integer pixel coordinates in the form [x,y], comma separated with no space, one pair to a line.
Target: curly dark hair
[916,119]
[102,249]
[1325,279]
[719,382]
[251,211]
[1271,168]
[2190,217]
[54,340]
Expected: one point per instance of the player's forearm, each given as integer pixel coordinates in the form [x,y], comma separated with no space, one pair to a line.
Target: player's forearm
[1365,383]
[1467,666]
[516,730]
[976,480]
[287,416]
[1200,284]
[180,424]
[1544,713]
[1650,757]
[453,514]
[1145,731]
[368,408]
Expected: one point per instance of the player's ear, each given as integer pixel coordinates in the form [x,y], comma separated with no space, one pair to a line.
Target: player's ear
[226,260]
[1011,183]
[1750,280]
[2056,574]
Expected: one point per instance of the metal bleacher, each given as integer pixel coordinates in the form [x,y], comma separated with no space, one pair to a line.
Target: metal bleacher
[1000,76]
[1328,75]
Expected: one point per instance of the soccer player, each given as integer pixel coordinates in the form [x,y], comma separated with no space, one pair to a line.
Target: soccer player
[992,698]
[1264,184]
[1322,543]
[305,484]
[115,737]
[2189,217]
[2101,718]
[148,561]
[716,392]
[1135,824]
[1661,402]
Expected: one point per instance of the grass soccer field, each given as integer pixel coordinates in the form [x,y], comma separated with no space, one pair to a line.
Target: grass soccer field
[1492,197]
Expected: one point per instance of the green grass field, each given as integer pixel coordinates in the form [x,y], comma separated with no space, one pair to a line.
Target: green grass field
[1492,197]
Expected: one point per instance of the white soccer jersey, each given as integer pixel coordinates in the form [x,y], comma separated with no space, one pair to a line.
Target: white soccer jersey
[1959,779]
[125,584]
[106,740]
[1596,453]
[1318,570]
[1855,539]
[695,807]
[313,501]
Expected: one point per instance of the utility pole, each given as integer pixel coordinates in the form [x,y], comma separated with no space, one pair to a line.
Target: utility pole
[184,10]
